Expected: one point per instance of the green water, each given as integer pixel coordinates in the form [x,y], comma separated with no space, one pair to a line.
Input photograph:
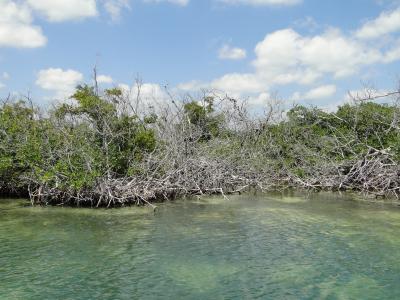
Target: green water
[250,247]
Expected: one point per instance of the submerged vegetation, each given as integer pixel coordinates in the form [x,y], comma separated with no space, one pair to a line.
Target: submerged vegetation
[110,149]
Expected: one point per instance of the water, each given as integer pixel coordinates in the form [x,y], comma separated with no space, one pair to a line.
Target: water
[250,247]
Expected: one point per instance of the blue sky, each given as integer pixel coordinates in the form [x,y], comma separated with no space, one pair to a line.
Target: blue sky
[308,51]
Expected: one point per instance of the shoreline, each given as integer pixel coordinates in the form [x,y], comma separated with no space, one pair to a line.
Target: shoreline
[282,189]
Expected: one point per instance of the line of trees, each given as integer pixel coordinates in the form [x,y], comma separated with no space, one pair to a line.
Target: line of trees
[101,150]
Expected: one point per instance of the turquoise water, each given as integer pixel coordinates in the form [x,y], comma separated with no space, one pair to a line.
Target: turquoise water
[248,247]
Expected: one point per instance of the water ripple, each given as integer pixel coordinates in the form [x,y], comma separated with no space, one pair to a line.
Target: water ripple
[247,248]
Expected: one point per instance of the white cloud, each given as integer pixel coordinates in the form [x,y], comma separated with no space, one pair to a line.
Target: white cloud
[237,83]
[115,7]
[307,22]
[145,96]
[62,82]
[149,92]
[321,92]
[387,22]
[392,54]
[5,76]
[16,19]
[286,57]
[233,53]
[262,2]
[124,88]
[16,29]
[176,2]
[64,10]
[259,100]
[287,52]
[318,93]
[104,79]
[193,85]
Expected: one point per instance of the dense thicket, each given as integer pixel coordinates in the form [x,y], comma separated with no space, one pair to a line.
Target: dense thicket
[104,149]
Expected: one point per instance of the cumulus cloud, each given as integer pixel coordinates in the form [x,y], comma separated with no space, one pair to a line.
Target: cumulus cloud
[64,10]
[238,83]
[149,92]
[146,92]
[285,57]
[16,19]
[233,53]
[16,28]
[5,76]
[104,79]
[287,52]
[318,93]
[259,100]
[61,82]
[307,22]
[115,8]
[321,92]
[193,85]
[387,22]
[146,97]
[262,2]
[392,54]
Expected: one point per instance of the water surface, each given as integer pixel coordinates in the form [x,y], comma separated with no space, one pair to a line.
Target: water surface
[249,247]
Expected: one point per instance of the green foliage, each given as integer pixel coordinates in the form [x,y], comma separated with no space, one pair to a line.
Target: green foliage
[372,124]
[203,117]
[19,147]
[310,137]
[74,145]
[369,124]
[150,119]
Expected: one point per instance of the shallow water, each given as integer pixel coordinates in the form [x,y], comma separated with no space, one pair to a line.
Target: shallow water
[249,247]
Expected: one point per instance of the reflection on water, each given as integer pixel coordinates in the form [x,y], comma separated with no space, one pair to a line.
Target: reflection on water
[323,246]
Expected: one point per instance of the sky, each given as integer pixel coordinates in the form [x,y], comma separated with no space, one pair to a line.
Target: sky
[305,51]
